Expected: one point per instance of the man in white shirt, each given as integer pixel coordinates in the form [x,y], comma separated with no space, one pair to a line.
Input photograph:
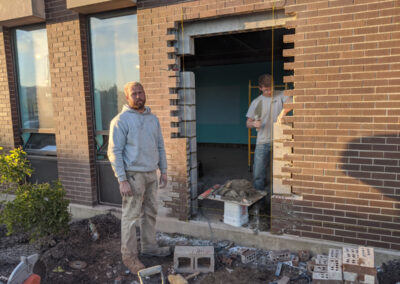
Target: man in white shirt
[263,112]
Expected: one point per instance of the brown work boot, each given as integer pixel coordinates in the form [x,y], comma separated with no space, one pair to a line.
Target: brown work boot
[157,251]
[133,263]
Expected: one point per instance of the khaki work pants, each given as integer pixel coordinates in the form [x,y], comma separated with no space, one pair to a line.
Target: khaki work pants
[140,207]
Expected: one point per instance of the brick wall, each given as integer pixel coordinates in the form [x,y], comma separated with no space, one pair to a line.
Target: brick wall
[9,129]
[346,161]
[158,25]
[72,103]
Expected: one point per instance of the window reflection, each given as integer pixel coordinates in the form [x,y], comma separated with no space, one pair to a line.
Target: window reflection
[115,61]
[34,86]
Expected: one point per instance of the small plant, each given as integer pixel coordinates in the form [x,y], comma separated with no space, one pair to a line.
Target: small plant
[14,167]
[38,210]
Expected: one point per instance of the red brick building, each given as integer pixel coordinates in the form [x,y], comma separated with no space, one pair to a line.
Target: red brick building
[339,60]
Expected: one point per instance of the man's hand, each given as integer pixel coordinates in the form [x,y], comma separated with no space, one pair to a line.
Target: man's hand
[125,188]
[163,180]
[251,123]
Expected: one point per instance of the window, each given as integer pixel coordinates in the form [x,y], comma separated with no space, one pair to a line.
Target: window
[115,61]
[34,87]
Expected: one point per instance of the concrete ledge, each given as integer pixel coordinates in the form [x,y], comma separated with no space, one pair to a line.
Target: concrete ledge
[239,235]
[22,12]
[96,6]
[264,240]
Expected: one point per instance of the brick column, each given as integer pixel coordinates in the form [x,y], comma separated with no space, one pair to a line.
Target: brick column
[72,109]
[9,126]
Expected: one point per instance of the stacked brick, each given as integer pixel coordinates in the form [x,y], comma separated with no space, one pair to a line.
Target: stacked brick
[72,103]
[346,141]
[159,26]
[345,266]
[8,106]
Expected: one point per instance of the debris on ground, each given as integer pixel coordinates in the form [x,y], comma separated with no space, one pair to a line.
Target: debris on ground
[77,258]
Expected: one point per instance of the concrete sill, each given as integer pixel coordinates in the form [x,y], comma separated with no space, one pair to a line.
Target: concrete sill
[22,12]
[96,6]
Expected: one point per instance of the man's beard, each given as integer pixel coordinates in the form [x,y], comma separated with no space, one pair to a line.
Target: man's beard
[139,105]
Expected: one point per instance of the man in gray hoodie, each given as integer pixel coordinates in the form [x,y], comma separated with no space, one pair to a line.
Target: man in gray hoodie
[136,150]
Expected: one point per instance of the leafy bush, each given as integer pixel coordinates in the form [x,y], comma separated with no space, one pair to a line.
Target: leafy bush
[38,209]
[14,167]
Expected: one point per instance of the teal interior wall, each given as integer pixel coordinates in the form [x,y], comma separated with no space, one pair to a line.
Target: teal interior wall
[222,99]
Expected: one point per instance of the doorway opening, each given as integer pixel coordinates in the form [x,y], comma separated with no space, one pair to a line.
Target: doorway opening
[223,67]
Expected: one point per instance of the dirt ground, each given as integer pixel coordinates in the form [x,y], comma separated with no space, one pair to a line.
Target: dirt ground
[104,265]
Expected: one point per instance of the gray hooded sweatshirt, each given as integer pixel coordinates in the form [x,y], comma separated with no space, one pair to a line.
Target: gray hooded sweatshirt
[136,143]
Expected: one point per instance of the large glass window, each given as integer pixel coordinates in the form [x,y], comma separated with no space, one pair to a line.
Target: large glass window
[115,61]
[34,88]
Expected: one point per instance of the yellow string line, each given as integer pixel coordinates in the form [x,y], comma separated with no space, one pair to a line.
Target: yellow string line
[271,183]
[184,93]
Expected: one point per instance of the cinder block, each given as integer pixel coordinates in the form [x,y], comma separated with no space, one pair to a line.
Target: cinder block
[321,268]
[280,151]
[187,128]
[322,278]
[277,168]
[366,256]
[334,269]
[193,175]
[187,112]
[280,188]
[350,276]
[248,255]
[192,259]
[187,96]
[279,256]
[335,264]
[187,80]
[321,260]
[278,132]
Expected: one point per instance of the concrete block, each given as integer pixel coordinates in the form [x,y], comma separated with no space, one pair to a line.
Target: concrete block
[277,168]
[248,255]
[194,207]
[187,128]
[366,256]
[193,175]
[350,256]
[321,260]
[321,268]
[189,259]
[280,151]
[369,279]
[187,112]
[334,269]
[279,256]
[187,80]
[278,132]
[193,160]
[322,278]
[335,254]
[350,276]
[280,188]
[187,96]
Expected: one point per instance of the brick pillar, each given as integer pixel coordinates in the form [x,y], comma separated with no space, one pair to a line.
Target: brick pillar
[9,126]
[72,109]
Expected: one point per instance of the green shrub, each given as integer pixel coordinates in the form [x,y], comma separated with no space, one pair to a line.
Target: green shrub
[38,210]
[14,167]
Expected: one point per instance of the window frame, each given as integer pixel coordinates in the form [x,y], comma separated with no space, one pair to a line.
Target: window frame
[108,14]
[16,77]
